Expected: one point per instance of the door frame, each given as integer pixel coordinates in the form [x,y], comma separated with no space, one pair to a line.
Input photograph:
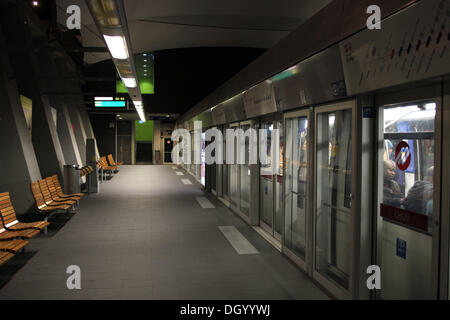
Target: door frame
[330,285]
[445,197]
[164,150]
[239,168]
[305,264]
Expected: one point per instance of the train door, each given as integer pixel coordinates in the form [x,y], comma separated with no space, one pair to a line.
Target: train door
[408,200]
[297,188]
[271,210]
[334,211]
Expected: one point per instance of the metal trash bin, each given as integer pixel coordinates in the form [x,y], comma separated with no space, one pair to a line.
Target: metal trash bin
[72,179]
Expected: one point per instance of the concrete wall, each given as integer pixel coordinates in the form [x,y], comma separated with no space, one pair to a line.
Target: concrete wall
[104,133]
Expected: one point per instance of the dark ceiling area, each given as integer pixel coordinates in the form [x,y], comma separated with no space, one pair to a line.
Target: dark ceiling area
[183,77]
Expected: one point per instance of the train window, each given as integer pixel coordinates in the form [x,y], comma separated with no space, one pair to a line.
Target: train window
[406,200]
[408,159]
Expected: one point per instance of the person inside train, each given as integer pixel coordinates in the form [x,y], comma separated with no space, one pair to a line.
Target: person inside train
[389,151]
[420,196]
[392,194]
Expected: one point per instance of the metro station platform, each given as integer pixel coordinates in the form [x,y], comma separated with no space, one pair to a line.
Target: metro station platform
[146,236]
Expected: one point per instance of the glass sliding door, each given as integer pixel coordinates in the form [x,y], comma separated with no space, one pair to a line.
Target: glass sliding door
[225,190]
[245,173]
[266,183]
[296,185]
[278,225]
[233,173]
[333,207]
[271,181]
[406,206]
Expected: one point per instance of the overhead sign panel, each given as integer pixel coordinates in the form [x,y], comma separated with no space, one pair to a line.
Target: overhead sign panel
[411,46]
[260,100]
[110,102]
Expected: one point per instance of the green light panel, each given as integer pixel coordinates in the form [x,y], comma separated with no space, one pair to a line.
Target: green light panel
[145,68]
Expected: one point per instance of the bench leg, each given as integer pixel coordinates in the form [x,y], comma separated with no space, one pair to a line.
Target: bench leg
[45,229]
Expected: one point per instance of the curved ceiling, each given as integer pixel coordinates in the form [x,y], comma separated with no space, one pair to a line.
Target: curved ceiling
[167,24]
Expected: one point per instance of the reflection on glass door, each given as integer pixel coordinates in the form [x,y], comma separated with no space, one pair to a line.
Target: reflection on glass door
[278,228]
[333,196]
[296,193]
[245,174]
[266,183]
[271,183]
[233,173]
[406,201]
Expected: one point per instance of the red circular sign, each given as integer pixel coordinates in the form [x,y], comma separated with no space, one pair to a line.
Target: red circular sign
[402,156]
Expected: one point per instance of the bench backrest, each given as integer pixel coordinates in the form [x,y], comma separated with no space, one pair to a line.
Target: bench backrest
[38,197]
[56,182]
[103,163]
[111,160]
[8,213]
[51,186]
[45,191]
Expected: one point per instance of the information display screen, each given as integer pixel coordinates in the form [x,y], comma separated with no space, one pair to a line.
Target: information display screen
[110,102]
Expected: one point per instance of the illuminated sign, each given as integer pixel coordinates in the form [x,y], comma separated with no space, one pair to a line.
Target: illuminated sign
[110,102]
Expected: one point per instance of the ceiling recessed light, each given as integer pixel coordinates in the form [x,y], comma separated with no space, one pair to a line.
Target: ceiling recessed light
[35,3]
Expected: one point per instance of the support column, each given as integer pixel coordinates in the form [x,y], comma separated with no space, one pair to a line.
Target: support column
[17,158]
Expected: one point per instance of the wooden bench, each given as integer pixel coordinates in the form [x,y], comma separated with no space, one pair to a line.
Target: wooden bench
[59,189]
[9,248]
[51,200]
[41,205]
[9,218]
[84,171]
[112,162]
[54,191]
[103,164]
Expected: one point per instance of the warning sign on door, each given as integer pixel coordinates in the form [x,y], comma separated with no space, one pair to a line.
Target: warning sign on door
[402,156]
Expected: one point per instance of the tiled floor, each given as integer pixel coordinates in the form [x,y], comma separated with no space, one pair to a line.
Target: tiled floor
[145,236]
